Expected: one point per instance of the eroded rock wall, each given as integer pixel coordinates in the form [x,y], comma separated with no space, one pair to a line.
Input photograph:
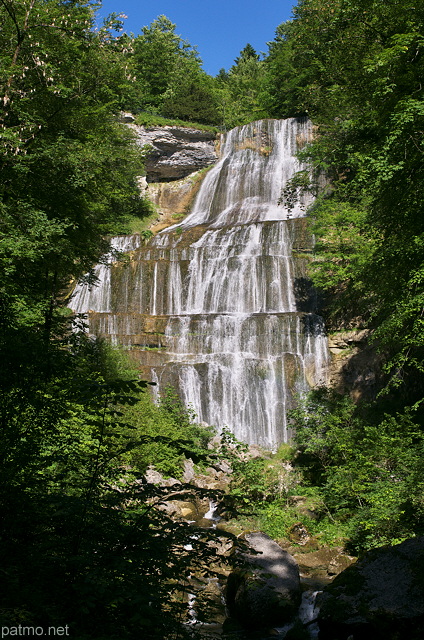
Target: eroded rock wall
[355,366]
[175,152]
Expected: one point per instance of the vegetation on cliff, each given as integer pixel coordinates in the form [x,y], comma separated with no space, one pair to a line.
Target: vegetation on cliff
[359,68]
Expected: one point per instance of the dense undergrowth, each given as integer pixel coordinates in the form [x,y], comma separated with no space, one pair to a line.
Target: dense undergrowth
[84,540]
[352,477]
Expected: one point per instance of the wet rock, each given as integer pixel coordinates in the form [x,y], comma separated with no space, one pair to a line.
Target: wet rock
[332,559]
[266,590]
[319,567]
[172,200]
[380,597]
[209,606]
[339,563]
[188,510]
[299,533]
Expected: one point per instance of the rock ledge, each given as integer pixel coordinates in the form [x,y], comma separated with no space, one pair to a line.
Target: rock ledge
[175,152]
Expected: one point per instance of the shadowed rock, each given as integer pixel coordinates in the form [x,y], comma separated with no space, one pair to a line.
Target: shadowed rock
[266,590]
[381,597]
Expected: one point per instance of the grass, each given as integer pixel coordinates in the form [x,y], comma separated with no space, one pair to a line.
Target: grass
[277,518]
[138,225]
[149,119]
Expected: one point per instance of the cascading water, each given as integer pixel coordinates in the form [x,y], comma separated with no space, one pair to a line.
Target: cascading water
[223,292]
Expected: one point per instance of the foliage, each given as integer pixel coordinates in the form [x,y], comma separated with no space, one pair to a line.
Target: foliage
[83,539]
[192,97]
[283,79]
[68,168]
[367,467]
[140,222]
[356,68]
[174,430]
[268,493]
[168,78]
[259,480]
[278,519]
[343,249]
[248,53]
[239,90]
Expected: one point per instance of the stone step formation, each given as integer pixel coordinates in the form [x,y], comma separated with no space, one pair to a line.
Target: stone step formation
[219,305]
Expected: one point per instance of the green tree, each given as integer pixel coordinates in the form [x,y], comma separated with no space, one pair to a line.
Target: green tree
[359,67]
[247,53]
[367,467]
[83,537]
[158,57]
[343,250]
[68,168]
[192,97]
[239,90]
[283,79]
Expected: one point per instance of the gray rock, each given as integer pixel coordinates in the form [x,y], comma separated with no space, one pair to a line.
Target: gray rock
[266,591]
[155,477]
[380,597]
[175,152]
[189,471]
[126,117]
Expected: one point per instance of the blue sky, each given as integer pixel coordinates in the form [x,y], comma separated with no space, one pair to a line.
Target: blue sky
[219,28]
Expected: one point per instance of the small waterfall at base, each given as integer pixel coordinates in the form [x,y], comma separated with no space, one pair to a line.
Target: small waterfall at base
[220,306]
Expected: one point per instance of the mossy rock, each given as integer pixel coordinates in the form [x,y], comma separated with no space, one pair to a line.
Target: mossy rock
[380,597]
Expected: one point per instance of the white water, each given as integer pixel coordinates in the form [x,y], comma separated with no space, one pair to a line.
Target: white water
[256,162]
[238,349]
[306,614]
[98,298]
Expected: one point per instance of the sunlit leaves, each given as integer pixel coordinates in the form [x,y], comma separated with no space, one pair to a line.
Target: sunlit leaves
[356,67]
[364,467]
[68,168]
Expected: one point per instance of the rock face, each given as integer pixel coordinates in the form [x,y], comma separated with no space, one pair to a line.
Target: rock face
[175,152]
[173,199]
[381,597]
[267,590]
[356,366]
[319,567]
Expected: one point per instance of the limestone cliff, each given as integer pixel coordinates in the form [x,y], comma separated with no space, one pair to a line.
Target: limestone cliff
[173,199]
[355,366]
[175,152]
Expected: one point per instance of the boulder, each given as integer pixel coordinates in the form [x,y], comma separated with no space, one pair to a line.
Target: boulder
[379,597]
[175,152]
[265,591]
[126,117]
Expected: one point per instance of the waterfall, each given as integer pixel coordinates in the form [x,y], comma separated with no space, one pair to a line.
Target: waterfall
[223,297]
